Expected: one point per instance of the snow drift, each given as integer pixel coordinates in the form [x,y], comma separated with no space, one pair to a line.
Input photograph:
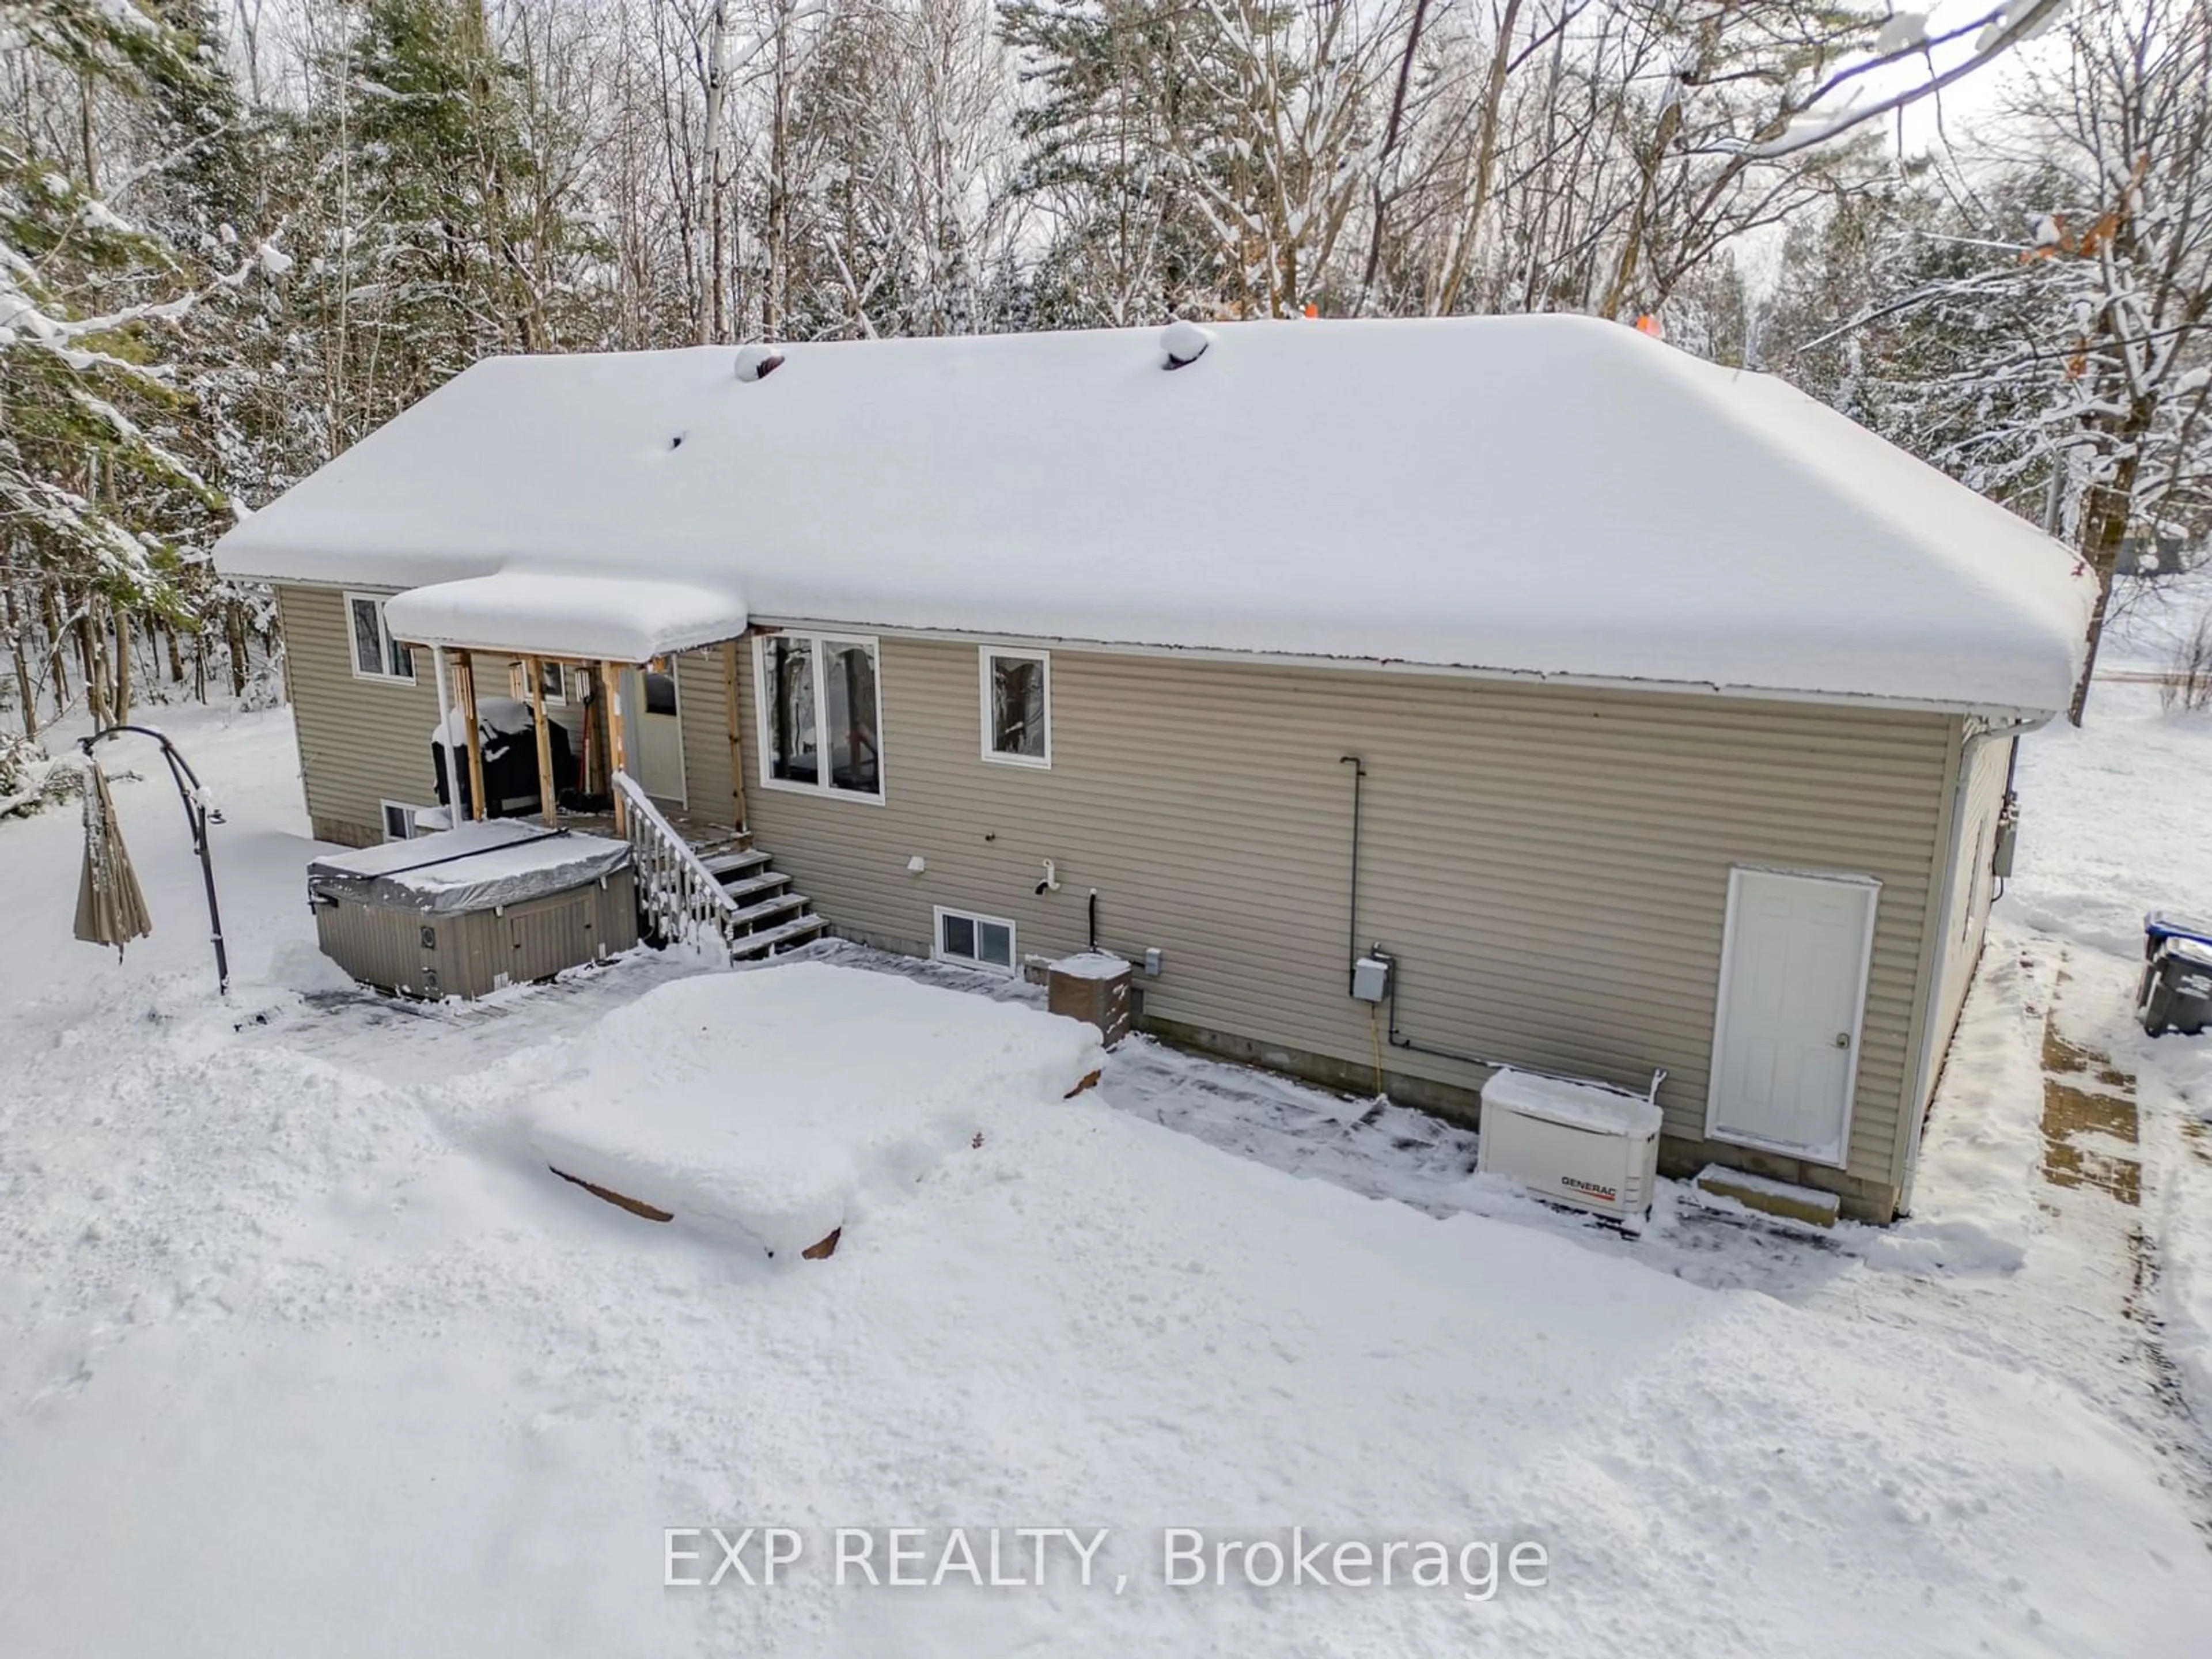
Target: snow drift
[765,1105]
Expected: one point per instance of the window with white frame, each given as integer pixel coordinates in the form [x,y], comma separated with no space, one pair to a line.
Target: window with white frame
[376,654]
[554,680]
[975,941]
[1017,707]
[398,820]
[821,715]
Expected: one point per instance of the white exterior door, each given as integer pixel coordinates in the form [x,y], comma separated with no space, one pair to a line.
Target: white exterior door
[1793,989]
[654,732]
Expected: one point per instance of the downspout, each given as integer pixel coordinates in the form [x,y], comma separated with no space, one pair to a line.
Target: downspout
[1917,1105]
[1352,937]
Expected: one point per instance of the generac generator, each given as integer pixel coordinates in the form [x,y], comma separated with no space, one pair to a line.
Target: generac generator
[1588,1145]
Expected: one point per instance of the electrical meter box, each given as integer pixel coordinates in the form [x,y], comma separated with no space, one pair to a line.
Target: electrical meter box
[1371,976]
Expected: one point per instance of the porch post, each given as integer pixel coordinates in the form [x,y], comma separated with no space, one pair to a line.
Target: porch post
[737,743]
[465,670]
[448,763]
[548,808]
[617,756]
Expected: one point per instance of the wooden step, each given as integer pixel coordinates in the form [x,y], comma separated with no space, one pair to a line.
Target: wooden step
[1779,1199]
[723,865]
[748,946]
[753,914]
[757,886]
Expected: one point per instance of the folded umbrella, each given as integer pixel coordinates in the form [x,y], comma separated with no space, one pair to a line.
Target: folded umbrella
[110,907]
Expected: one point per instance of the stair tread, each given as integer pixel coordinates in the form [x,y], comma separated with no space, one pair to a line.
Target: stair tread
[753,913]
[756,885]
[719,865]
[759,944]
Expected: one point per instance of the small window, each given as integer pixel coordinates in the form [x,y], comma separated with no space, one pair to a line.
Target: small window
[376,654]
[976,941]
[1017,707]
[398,821]
[554,680]
[821,715]
[660,692]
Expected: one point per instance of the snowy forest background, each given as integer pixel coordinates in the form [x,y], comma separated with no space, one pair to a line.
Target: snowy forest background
[234,238]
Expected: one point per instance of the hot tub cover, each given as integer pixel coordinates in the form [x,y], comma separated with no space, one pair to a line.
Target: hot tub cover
[474,867]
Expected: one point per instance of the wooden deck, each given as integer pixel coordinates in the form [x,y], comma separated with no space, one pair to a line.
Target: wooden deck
[706,837]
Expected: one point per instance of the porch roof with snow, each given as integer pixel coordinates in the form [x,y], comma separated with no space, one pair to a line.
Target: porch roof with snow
[1546,496]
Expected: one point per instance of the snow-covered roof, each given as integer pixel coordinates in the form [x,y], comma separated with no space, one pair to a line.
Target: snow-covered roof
[546,613]
[1546,496]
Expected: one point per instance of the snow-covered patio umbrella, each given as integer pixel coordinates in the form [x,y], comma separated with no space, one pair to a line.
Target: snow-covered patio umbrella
[110,910]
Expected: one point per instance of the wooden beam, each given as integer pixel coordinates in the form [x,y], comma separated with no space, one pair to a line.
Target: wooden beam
[464,671]
[617,756]
[736,742]
[548,808]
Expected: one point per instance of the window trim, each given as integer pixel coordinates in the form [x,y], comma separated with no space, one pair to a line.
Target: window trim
[985,656]
[385,808]
[385,637]
[938,953]
[763,701]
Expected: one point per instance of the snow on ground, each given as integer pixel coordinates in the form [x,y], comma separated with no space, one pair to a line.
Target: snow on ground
[306,1351]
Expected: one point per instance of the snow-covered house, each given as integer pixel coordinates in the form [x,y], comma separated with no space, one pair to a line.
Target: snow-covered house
[1647,714]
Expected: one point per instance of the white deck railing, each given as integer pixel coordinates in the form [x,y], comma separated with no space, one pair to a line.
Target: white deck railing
[676,891]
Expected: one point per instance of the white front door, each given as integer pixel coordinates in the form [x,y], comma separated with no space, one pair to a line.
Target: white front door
[654,731]
[1793,989]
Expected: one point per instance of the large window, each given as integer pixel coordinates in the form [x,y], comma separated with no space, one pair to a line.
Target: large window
[821,715]
[976,941]
[1017,707]
[376,654]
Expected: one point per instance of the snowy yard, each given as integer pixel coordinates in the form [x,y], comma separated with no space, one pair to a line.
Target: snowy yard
[303,1350]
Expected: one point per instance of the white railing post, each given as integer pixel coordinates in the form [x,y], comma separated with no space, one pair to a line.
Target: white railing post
[680,893]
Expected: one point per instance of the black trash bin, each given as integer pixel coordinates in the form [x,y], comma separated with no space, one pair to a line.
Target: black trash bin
[2177,985]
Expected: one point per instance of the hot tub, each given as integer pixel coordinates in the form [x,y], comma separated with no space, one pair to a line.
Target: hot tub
[465,911]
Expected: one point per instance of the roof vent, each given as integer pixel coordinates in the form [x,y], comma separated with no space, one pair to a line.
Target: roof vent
[757,362]
[1185,343]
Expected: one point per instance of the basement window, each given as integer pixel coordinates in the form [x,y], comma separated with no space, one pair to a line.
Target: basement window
[398,820]
[1017,707]
[376,654]
[973,941]
[821,715]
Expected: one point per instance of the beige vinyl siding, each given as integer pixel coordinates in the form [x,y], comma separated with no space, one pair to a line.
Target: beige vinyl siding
[1550,866]
[1969,888]
[361,741]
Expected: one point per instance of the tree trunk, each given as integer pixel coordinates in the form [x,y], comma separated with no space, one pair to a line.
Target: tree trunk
[88,650]
[2104,527]
[123,646]
[19,651]
[714,316]
[234,622]
[1485,161]
[57,651]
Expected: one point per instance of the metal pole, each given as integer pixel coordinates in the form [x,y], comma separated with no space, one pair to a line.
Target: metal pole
[196,822]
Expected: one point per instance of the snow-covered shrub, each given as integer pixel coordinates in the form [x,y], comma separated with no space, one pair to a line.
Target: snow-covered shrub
[30,778]
[2188,682]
